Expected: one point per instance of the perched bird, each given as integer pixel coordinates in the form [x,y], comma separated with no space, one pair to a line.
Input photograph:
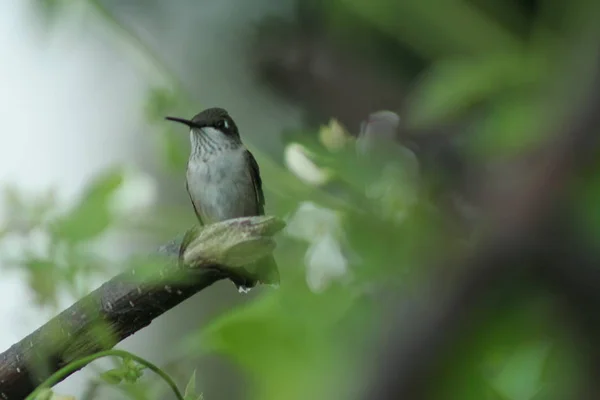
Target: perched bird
[223,181]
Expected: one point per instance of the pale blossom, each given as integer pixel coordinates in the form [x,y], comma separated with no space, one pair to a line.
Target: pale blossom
[322,229]
[324,262]
[298,162]
[310,220]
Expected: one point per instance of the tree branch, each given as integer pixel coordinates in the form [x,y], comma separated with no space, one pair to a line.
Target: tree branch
[130,301]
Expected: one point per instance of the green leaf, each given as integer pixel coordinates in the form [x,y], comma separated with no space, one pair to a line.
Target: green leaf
[128,371]
[45,394]
[289,342]
[44,278]
[160,102]
[437,28]
[455,85]
[587,213]
[190,389]
[24,214]
[91,216]
[112,376]
[50,11]
[133,371]
[521,377]
[174,151]
[514,124]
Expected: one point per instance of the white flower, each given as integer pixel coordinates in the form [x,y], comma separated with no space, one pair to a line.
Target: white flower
[324,263]
[322,228]
[311,221]
[296,159]
[135,196]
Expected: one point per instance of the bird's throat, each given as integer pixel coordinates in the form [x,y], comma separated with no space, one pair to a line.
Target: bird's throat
[207,141]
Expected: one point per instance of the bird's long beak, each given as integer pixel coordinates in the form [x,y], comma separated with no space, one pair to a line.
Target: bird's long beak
[187,122]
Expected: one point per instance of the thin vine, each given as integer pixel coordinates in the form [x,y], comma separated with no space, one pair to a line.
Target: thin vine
[82,362]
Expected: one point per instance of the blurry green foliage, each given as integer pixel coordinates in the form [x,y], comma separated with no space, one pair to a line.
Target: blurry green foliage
[517,350]
[436,28]
[521,377]
[586,193]
[50,10]
[455,85]
[127,371]
[289,341]
[190,389]
[160,102]
[91,216]
[296,344]
[42,281]
[517,122]
[58,256]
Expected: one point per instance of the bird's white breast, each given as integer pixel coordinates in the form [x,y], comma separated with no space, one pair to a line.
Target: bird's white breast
[220,185]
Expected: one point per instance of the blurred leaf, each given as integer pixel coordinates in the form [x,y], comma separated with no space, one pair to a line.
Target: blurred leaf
[288,341]
[334,136]
[514,124]
[50,11]
[91,216]
[459,29]
[43,205]
[23,214]
[81,263]
[44,278]
[133,370]
[128,371]
[45,394]
[587,197]
[453,86]
[521,376]
[112,376]
[13,199]
[190,389]
[161,101]
[175,151]
[137,391]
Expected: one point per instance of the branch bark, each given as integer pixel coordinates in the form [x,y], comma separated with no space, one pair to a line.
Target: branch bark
[130,301]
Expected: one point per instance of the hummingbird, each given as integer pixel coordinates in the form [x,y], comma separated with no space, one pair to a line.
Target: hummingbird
[223,181]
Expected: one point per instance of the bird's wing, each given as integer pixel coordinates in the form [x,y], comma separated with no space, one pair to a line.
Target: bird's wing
[193,205]
[257,181]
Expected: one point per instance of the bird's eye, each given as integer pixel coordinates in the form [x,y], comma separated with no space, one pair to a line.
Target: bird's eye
[222,124]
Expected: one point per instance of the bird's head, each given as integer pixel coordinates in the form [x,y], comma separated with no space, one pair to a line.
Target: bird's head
[211,129]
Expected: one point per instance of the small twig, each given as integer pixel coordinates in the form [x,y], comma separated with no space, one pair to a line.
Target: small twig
[130,301]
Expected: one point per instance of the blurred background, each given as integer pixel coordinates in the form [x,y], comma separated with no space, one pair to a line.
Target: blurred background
[383,130]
